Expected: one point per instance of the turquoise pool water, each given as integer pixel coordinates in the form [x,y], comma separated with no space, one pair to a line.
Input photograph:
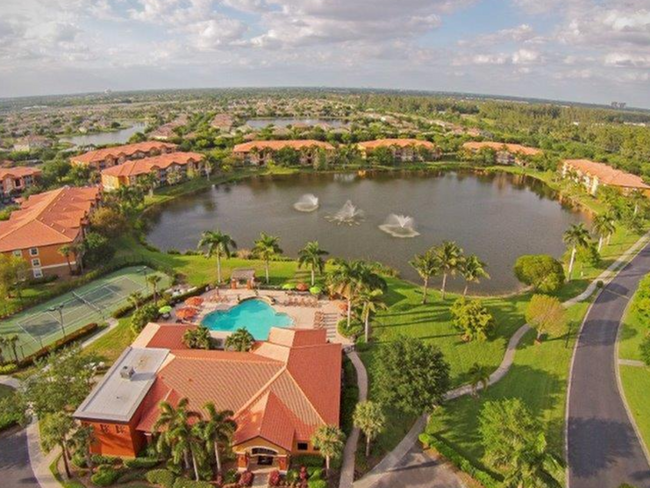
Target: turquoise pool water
[256,316]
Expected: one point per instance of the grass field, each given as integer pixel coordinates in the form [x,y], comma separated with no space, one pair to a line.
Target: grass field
[6,391]
[41,325]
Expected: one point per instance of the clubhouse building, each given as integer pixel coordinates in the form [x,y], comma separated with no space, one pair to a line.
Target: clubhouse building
[260,153]
[593,175]
[280,392]
[506,154]
[45,223]
[402,150]
[112,156]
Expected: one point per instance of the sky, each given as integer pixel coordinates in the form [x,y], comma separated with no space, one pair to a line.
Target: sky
[595,51]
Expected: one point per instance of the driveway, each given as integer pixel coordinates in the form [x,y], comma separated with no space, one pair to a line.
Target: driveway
[418,470]
[15,468]
[603,448]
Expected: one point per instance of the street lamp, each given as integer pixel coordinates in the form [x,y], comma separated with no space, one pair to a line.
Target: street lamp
[146,283]
[59,308]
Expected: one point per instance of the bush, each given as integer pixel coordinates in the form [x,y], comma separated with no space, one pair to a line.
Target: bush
[141,317]
[307,460]
[315,473]
[274,478]
[645,349]
[317,483]
[231,476]
[472,318]
[458,460]
[79,460]
[105,476]
[98,459]
[131,475]
[352,332]
[122,311]
[8,368]
[246,479]
[541,271]
[142,462]
[161,477]
[185,483]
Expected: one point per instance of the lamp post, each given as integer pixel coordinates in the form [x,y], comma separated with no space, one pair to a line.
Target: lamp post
[59,308]
[144,273]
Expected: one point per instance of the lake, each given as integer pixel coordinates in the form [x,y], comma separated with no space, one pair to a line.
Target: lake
[116,137]
[284,122]
[497,216]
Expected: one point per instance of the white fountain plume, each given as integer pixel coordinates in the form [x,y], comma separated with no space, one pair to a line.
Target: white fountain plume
[399,226]
[306,203]
[347,214]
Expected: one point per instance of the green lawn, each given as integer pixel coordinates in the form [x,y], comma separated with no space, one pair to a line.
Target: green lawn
[6,391]
[636,383]
[632,333]
[110,345]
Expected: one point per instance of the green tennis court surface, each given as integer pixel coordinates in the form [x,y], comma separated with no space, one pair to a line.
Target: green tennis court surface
[41,325]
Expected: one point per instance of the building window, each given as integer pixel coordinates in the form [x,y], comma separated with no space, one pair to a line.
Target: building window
[33,251]
[303,446]
[38,273]
[36,263]
[18,253]
[120,429]
[104,428]
[261,451]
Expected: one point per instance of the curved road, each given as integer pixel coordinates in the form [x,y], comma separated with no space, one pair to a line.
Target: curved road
[603,448]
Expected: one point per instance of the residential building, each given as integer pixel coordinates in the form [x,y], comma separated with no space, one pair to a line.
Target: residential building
[17,179]
[506,154]
[403,150]
[259,153]
[222,122]
[106,158]
[46,222]
[32,143]
[162,166]
[280,392]
[593,175]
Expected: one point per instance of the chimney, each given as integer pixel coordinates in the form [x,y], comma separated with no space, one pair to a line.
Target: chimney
[127,372]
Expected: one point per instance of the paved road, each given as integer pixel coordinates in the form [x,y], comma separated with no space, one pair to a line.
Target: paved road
[603,448]
[417,470]
[15,469]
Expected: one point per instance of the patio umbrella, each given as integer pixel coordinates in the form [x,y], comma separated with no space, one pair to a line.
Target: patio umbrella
[289,286]
[194,301]
[186,313]
[165,309]
[315,290]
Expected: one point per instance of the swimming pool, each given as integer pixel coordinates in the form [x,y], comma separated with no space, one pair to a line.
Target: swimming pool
[256,316]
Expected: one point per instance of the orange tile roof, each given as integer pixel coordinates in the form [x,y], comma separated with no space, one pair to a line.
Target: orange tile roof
[146,165]
[606,174]
[500,146]
[277,145]
[396,142]
[127,150]
[283,389]
[19,172]
[50,218]
[165,336]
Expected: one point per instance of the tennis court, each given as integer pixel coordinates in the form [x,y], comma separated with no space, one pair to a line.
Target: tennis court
[44,324]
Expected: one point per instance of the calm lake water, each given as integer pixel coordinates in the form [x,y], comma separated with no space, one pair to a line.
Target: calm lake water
[498,217]
[117,137]
[284,122]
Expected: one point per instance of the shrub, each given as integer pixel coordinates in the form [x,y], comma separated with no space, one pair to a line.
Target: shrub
[315,472]
[473,319]
[161,477]
[231,476]
[307,460]
[246,479]
[98,459]
[355,329]
[541,271]
[105,476]
[274,478]
[185,483]
[143,316]
[142,462]
[645,349]
[79,460]
[317,483]
[8,368]
[131,475]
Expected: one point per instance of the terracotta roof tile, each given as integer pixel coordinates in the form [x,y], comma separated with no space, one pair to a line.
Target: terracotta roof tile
[500,146]
[127,150]
[607,174]
[277,145]
[396,142]
[19,172]
[146,165]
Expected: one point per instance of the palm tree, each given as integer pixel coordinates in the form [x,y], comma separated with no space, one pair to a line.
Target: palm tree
[371,302]
[478,375]
[241,340]
[426,266]
[55,429]
[450,260]
[638,198]
[329,440]
[135,299]
[66,250]
[370,419]
[576,236]
[219,245]
[198,338]
[149,182]
[12,341]
[218,430]
[266,248]
[473,269]
[311,256]
[174,430]
[154,280]
[604,226]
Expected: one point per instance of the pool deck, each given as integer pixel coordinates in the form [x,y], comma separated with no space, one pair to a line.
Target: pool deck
[306,311]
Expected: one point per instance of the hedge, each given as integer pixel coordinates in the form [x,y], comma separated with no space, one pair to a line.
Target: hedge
[317,483]
[185,483]
[161,477]
[106,476]
[142,462]
[71,337]
[307,460]
[460,461]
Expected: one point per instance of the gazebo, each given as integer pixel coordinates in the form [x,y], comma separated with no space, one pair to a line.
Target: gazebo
[241,277]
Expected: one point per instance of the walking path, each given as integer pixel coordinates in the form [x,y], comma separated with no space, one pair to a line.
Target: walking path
[393,458]
[632,362]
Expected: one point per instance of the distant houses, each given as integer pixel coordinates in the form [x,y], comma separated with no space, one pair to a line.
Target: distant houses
[17,179]
[45,223]
[506,153]
[178,164]
[32,143]
[260,153]
[222,122]
[402,150]
[111,156]
[593,175]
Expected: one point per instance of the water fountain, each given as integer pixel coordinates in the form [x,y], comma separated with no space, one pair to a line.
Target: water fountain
[399,226]
[347,214]
[306,203]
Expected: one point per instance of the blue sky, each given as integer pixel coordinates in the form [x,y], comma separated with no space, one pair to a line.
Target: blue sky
[578,50]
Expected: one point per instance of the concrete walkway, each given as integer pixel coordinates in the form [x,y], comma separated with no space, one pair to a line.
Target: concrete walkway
[632,362]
